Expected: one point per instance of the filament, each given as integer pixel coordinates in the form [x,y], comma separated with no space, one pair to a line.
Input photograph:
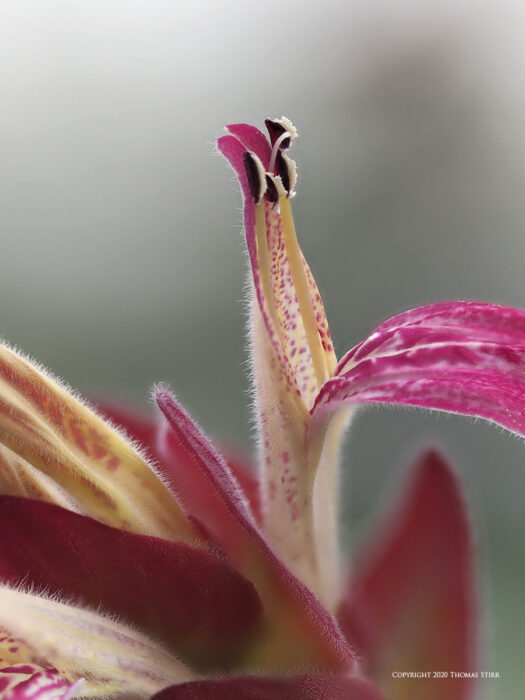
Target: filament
[300,282]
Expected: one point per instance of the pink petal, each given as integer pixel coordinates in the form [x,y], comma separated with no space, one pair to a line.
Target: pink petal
[302,631]
[462,357]
[411,604]
[252,139]
[305,687]
[233,150]
[27,682]
[187,598]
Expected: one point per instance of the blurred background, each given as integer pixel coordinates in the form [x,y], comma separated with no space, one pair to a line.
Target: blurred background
[121,257]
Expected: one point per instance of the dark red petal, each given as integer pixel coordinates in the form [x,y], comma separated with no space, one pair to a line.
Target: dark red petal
[185,597]
[300,629]
[304,687]
[412,604]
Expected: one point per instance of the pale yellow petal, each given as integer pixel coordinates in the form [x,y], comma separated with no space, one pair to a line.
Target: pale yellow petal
[60,436]
[19,478]
[300,474]
[14,650]
[111,657]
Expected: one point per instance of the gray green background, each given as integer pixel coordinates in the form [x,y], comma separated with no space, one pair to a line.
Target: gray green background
[121,259]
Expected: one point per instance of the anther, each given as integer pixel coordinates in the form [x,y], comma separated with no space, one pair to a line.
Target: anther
[287,170]
[255,175]
[282,132]
[279,128]
[274,189]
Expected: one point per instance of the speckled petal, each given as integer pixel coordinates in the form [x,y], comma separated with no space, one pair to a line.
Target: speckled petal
[291,356]
[19,478]
[109,656]
[53,431]
[462,357]
[29,682]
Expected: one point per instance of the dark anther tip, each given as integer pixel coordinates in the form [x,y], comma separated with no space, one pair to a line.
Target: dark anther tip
[255,175]
[283,171]
[272,193]
[276,129]
[287,171]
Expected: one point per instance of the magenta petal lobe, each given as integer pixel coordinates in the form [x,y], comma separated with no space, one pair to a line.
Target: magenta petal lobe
[252,139]
[24,682]
[462,357]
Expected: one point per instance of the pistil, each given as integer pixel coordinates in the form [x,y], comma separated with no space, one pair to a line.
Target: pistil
[276,146]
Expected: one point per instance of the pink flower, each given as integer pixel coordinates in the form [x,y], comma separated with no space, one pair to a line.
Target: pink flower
[162,568]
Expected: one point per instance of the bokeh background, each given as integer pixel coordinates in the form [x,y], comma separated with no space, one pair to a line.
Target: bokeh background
[121,259]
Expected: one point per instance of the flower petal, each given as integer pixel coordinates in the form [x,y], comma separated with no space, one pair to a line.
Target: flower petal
[253,140]
[49,428]
[292,355]
[411,604]
[463,357]
[285,288]
[144,430]
[187,598]
[246,476]
[23,672]
[303,687]
[19,478]
[298,630]
[26,682]
[136,426]
[109,656]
